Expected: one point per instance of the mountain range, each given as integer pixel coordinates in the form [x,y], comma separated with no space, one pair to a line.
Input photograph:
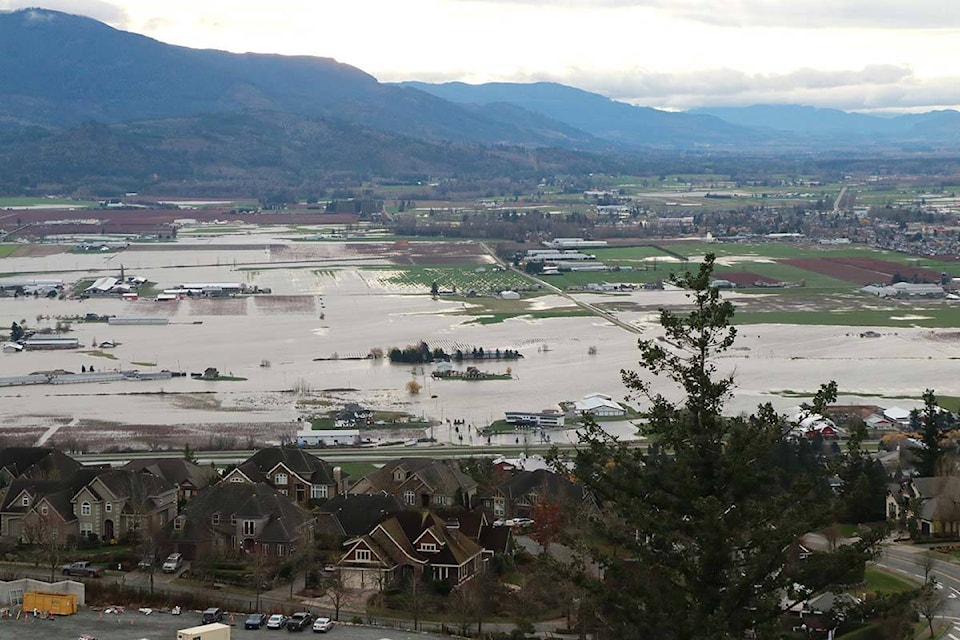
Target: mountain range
[72,88]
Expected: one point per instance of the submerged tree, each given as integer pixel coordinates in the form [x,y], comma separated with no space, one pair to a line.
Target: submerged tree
[694,535]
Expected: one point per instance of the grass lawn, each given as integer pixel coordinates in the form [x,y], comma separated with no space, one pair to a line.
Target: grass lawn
[482,279]
[7,249]
[37,202]
[100,354]
[501,316]
[883,582]
[943,317]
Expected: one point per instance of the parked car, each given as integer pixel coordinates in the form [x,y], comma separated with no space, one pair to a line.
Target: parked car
[211,615]
[82,569]
[255,621]
[145,563]
[299,621]
[173,563]
[523,522]
[322,625]
[277,621]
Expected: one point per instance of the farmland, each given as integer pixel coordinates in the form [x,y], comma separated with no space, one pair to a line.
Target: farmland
[481,280]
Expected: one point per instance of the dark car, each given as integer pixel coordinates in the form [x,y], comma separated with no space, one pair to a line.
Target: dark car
[255,621]
[299,621]
[211,615]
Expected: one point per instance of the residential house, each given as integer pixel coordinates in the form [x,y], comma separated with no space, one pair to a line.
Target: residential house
[240,516]
[420,482]
[39,463]
[292,471]
[933,503]
[518,496]
[410,543]
[353,515]
[187,477]
[119,501]
[31,505]
[91,502]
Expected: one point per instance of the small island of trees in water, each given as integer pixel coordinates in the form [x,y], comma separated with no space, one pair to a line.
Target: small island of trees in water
[422,353]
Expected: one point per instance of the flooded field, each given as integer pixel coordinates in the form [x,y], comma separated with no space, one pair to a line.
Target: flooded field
[304,347]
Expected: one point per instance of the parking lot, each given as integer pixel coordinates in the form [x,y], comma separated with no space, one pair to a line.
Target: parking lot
[132,625]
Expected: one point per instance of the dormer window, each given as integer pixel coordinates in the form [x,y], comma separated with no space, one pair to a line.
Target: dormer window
[43,510]
[215,519]
[178,523]
[399,475]
[280,478]
[25,501]
[428,547]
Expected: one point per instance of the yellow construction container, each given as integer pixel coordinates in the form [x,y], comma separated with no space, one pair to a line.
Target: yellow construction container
[61,604]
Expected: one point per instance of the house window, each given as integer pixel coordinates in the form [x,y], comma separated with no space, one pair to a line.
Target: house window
[236,479]
[280,478]
[498,508]
[249,527]
[318,491]
[178,523]
[43,510]
[283,491]
[233,519]
[216,519]
[108,507]
[399,475]
[85,509]
[279,549]
[25,501]
[428,547]
[409,497]
[363,555]
[86,528]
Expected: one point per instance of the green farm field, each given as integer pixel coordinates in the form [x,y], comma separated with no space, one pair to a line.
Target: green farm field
[8,249]
[463,278]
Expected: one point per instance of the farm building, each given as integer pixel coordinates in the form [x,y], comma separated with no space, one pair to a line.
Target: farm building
[11,347]
[546,418]
[116,320]
[509,295]
[574,243]
[599,405]
[37,343]
[328,437]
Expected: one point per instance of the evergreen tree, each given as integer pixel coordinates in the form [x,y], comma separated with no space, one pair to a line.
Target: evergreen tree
[694,537]
[16,332]
[928,456]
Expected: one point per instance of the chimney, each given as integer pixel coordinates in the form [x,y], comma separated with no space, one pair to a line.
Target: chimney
[338,481]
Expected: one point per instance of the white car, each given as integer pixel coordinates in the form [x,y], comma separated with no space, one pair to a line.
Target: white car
[277,621]
[322,625]
[173,563]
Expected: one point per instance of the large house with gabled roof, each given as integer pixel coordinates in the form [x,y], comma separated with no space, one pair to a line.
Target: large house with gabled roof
[517,496]
[188,477]
[411,543]
[421,482]
[291,471]
[39,463]
[241,517]
[91,502]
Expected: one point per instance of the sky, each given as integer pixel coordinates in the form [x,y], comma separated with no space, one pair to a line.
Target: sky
[857,55]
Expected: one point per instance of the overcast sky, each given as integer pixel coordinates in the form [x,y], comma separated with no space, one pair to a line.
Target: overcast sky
[677,54]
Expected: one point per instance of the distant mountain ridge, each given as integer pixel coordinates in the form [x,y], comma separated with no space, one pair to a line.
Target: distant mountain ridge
[600,116]
[58,70]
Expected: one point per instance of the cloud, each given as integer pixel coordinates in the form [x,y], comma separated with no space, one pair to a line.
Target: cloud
[795,14]
[96,9]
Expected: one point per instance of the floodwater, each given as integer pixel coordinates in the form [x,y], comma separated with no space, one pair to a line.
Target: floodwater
[335,311]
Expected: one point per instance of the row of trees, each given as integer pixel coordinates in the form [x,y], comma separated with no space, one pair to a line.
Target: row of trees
[422,353]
